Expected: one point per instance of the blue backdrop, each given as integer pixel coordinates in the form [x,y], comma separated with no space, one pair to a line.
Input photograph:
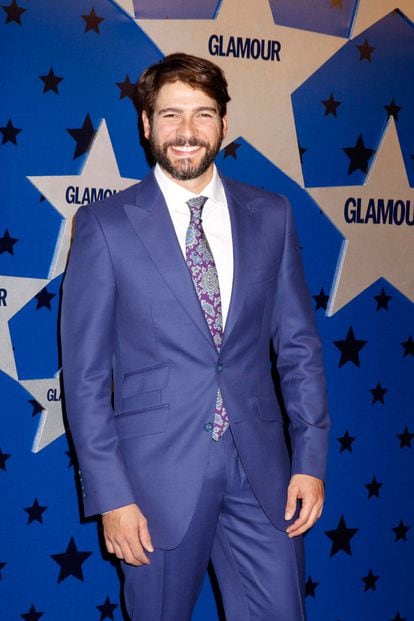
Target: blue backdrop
[66,66]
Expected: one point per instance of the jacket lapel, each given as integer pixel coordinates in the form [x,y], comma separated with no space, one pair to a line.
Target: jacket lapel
[152,222]
[243,218]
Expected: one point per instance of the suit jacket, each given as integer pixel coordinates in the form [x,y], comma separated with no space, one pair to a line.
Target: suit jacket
[131,321]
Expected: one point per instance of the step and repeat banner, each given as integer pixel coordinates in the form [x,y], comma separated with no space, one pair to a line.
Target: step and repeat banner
[322,110]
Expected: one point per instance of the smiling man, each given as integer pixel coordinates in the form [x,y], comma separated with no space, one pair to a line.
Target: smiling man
[174,291]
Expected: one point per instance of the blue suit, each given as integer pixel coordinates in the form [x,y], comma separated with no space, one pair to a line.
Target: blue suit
[131,320]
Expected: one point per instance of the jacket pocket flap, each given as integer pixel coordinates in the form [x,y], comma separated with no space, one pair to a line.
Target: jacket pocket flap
[146,379]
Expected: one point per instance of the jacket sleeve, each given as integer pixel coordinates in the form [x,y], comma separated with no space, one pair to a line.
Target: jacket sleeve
[299,361]
[87,336]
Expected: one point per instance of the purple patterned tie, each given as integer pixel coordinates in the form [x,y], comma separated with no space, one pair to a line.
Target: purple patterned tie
[203,270]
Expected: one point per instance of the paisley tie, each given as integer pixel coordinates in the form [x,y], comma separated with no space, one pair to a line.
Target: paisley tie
[200,261]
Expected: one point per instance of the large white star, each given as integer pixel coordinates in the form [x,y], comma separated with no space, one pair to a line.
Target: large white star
[261,109]
[47,393]
[373,250]
[371,11]
[99,177]
[15,292]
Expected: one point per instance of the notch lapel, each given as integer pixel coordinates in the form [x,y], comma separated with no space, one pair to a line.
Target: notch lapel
[245,233]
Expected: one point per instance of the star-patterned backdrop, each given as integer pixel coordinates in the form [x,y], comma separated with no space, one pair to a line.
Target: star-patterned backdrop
[323,112]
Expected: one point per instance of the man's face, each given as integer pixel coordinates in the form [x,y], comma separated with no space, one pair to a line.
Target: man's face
[185,132]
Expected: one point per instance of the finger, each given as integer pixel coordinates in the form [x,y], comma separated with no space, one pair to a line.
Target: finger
[145,536]
[118,551]
[135,557]
[109,546]
[292,495]
[302,528]
[302,518]
[138,552]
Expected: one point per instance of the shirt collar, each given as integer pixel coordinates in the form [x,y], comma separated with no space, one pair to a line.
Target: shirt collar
[176,196]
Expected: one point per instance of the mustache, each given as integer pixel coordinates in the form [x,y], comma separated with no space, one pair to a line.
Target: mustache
[183,142]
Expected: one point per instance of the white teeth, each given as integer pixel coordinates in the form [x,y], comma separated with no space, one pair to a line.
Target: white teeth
[185,149]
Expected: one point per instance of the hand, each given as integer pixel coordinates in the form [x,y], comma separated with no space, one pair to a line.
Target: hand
[310,490]
[126,534]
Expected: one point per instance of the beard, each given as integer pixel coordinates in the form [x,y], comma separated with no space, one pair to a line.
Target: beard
[184,168]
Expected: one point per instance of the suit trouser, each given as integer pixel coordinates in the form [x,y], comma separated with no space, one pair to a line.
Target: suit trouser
[258,567]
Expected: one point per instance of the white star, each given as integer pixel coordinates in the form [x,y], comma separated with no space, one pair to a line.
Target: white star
[371,251]
[100,175]
[15,292]
[371,11]
[261,109]
[47,393]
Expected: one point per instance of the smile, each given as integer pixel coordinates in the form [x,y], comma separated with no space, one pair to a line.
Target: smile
[185,149]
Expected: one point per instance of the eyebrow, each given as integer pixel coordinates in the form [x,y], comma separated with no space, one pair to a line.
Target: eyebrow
[199,109]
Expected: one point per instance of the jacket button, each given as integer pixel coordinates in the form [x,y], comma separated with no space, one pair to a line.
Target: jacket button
[219,368]
[208,427]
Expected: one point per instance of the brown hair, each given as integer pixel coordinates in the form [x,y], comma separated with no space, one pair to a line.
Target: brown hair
[191,70]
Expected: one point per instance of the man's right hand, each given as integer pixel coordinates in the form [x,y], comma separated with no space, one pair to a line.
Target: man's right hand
[126,534]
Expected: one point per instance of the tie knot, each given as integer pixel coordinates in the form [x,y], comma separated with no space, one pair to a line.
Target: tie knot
[196,206]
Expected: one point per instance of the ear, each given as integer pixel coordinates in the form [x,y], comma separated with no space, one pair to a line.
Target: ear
[146,124]
[224,125]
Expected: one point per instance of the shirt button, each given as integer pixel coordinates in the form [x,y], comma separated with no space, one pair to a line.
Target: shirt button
[208,427]
[219,368]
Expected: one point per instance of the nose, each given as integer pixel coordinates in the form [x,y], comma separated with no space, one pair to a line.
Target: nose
[187,128]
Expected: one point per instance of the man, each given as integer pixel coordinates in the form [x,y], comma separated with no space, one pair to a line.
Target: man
[174,290]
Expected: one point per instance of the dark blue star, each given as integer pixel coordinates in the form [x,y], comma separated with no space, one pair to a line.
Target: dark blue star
[83,136]
[341,537]
[92,21]
[370,581]
[373,488]
[392,109]
[32,615]
[321,300]
[408,346]
[331,105]
[359,156]
[350,348]
[126,87]
[406,438]
[44,298]
[7,243]
[51,82]
[14,12]
[346,442]
[310,587]
[70,561]
[382,300]
[365,51]
[107,610]
[231,150]
[3,458]
[10,133]
[378,393]
[35,512]
[401,531]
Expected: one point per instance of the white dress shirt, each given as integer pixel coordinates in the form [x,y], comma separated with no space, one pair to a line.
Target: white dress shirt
[216,225]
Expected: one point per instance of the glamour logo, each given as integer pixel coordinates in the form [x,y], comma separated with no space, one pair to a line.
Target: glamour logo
[76,195]
[240,47]
[3,297]
[378,211]
[53,394]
